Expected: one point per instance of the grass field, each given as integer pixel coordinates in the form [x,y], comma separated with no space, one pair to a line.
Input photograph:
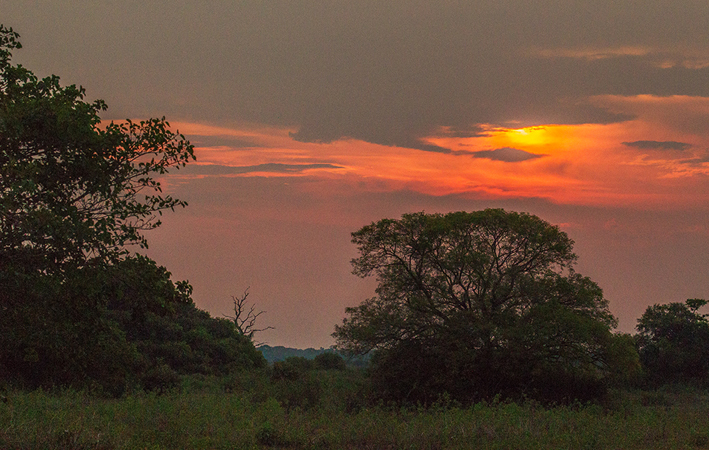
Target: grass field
[329,410]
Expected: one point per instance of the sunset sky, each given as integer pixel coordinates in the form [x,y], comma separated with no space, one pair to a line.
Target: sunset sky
[312,119]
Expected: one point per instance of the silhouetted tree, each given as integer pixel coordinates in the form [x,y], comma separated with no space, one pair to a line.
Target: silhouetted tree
[477,304]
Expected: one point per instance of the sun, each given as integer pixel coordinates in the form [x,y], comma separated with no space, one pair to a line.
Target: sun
[523,137]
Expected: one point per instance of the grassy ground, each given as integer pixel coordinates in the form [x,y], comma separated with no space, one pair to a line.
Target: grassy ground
[328,410]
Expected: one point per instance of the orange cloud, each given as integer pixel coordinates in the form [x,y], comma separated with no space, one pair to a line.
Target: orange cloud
[590,53]
[592,164]
[664,57]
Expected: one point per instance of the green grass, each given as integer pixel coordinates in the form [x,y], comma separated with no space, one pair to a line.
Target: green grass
[251,412]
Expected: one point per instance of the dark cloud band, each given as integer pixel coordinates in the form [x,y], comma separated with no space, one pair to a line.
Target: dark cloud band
[506,154]
[215,169]
[658,145]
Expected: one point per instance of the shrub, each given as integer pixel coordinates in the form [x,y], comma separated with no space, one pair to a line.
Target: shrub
[329,361]
[292,368]
[160,378]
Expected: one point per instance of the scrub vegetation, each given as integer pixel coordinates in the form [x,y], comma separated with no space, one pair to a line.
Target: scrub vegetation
[481,334]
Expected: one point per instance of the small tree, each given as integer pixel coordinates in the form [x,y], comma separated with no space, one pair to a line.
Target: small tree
[477,304]
[673,342]
[245,316]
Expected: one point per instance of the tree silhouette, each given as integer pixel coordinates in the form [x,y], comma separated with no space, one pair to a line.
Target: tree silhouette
[476,304]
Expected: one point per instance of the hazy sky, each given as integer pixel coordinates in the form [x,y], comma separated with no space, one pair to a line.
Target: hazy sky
[315,118]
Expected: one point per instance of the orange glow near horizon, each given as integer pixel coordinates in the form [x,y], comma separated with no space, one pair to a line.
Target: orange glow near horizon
[591,164]
[690,57]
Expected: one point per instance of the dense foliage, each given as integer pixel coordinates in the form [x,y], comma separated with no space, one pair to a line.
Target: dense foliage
[75,307]
[673,342]
[480,304]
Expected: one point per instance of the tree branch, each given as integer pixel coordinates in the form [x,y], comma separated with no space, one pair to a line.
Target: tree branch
[245,316]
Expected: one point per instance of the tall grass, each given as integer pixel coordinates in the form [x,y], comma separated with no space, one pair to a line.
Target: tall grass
[253,411]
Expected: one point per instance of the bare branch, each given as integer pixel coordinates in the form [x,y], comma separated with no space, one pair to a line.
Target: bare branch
[245,316]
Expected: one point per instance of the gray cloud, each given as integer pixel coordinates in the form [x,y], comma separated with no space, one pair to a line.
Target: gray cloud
[468,132]
[222,141]
[658,145]
[506,154]
[699,161]
[384,72]
[216,169]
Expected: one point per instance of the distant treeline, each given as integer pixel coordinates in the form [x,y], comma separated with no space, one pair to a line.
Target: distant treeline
[280,353]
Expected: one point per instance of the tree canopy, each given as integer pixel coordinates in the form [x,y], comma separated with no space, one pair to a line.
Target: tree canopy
[476,304]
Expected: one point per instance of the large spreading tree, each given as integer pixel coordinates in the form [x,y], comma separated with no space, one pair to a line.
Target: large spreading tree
[479,304]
